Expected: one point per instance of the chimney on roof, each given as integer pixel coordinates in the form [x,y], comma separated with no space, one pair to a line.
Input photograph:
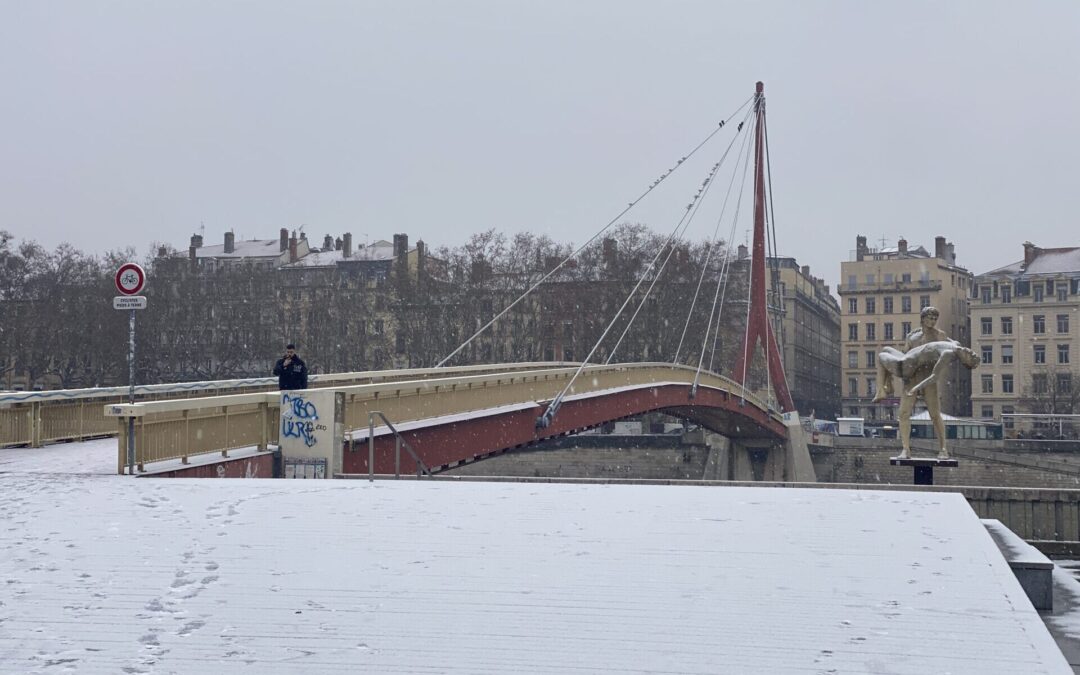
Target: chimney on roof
[860,247]
[806,272]
[346,245]
[950,253]
[1031,251]
[230,242]
[327,243]
[939,247]
[163,251]
[743,253]
[293,257]
[611,252]
[901,246]
[196,241]
[421,260]
[401,245]
[338,244]
[283,241]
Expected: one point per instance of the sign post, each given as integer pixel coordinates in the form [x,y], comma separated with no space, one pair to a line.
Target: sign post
[129,280]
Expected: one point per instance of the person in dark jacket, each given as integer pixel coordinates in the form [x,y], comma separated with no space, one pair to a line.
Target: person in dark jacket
[291,370]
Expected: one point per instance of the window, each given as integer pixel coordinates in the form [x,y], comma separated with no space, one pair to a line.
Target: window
[1006,325]
[1006,353]
[1006,384]
[1064,383]
[869,279]
[871,386]
[1063,323]
[986,326]
[853,387]
[1040,353]
[871,305]
[378,326]
[905,328]
[924,302]
[871,332]
[888,304]
[988,412]
[1039,383]
[1038,292]
[870,359]
[1038,323]
[987,353]
[905,304]
[851,281]
[924,278]
[854,411]
[888,331]
[853,332]
[853,305]
[988,384]
[1006,294]
[985,294]
[888,277]
[1007,410]
[1062,293]
[853,359]
[1063,353]
[906,277]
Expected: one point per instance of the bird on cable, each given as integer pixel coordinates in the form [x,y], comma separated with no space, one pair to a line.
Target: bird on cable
[740,126]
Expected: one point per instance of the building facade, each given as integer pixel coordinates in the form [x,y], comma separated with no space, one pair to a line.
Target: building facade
[1024,325]
[809,335]
[882,293]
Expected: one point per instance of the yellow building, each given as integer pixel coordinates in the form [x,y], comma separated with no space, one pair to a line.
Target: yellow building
[1024,322]
[882,292]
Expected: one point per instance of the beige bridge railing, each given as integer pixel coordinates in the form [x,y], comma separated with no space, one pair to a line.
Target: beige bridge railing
[179,429]
[37,417]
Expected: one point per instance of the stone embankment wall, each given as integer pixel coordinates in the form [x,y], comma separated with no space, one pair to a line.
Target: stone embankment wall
[982,463]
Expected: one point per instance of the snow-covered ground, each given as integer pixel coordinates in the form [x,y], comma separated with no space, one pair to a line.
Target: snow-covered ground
[87,457]
[110,574]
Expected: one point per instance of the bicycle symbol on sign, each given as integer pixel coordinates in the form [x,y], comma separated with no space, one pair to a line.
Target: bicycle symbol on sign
[129,279]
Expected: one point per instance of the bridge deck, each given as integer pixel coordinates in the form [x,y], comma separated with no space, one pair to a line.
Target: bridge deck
[107,573]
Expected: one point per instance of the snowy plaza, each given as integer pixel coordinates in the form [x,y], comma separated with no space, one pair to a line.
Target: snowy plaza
[113,574]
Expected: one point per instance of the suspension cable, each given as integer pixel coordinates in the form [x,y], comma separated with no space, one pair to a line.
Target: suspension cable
[715,242]
[699,199]
[725,273]
[545,419]
[574,254]
[772,224]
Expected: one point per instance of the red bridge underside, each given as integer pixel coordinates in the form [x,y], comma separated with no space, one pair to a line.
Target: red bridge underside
[446,445]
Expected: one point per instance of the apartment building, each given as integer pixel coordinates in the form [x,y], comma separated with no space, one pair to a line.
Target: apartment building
[882,292]
[809,336]
[1024,321]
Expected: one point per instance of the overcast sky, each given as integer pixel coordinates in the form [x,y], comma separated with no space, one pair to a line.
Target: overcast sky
[126,123]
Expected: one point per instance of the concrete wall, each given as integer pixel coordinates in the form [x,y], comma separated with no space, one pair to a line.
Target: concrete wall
[866,460]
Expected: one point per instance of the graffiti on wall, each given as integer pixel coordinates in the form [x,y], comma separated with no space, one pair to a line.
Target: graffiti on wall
[300,419]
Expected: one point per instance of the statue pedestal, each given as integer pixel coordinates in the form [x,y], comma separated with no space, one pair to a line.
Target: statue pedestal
[923,466]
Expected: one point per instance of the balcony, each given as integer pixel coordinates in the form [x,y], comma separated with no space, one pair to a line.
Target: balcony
[893,287]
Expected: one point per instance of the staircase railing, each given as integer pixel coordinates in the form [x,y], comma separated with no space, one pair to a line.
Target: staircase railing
[421,468]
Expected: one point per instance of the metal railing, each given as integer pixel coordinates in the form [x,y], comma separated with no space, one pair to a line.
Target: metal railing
[421,468]
[37,417]
[179,429]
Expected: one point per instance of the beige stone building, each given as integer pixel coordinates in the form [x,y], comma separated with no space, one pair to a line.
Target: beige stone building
[809,336]
[1024,324]
[882,291]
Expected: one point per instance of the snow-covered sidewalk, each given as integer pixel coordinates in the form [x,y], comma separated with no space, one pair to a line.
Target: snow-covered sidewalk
[108,574]
[97,456]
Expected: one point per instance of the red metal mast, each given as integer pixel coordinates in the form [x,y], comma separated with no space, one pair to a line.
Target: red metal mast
[757,324]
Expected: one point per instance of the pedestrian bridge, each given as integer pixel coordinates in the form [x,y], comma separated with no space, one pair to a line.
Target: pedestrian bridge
[448,416]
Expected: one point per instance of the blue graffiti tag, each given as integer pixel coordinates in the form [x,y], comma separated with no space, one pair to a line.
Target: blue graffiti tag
[298,419]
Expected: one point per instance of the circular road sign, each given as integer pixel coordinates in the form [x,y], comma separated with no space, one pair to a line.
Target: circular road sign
[130,279]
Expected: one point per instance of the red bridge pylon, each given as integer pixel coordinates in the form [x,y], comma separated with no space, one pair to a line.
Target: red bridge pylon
[758,328]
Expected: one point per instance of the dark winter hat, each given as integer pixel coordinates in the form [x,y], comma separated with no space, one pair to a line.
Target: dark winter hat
[290,346]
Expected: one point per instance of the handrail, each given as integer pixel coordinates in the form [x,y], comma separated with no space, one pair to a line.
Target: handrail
[37,417]
[399,440]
